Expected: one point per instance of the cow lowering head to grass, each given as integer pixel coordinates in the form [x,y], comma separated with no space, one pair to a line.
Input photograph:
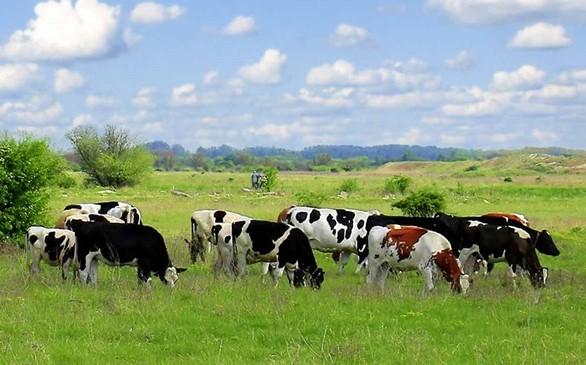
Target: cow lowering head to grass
[123,245]
[409,248]
[262,241]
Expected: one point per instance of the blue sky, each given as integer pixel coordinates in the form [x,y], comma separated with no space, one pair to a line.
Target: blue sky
[464,73]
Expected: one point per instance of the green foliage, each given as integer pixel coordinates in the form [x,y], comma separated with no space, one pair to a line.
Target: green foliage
[309,198]
[472,168]
[65,181]
[349,185]
[397,184]
[27,168]
[271,175]
[322,159]
[508,179]
[422,203]
[111,159]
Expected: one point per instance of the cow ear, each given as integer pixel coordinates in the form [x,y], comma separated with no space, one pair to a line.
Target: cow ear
[180,269]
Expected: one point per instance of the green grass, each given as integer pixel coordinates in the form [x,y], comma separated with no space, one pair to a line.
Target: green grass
[205,320]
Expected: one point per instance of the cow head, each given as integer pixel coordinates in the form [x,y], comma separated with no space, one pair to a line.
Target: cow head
[464,283]
[316,278]
[303,278]
[545,244]
[171,275]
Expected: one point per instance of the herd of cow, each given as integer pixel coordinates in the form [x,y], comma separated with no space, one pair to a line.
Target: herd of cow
[445,245]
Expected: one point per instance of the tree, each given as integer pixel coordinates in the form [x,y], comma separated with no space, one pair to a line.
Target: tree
[322,159]
[422,203]
[111,159]
[397,184]
[199,161]
[27,168]
[271,178]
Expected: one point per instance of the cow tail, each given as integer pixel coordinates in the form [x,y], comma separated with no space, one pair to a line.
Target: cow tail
[282,217]
[193,229]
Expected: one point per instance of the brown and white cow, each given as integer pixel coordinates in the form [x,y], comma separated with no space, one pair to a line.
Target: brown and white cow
[515,217]
[405,248]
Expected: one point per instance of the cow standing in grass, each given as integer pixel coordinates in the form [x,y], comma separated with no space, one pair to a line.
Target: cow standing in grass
[413,248]
[56,247]
[122,245]
[127,212]
[73,214]
[261,241]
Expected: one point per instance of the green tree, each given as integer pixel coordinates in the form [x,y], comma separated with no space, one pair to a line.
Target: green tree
[271,175]
[27,168]
[422,203]
[110,159]
[322,159]
[397,184]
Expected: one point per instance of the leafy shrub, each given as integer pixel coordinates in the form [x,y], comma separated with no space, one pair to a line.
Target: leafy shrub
[27,167]
[111,159]
[422,203]
[397,184]
[65,181]
[309,198]
[508,179]
[472,168]
[349,185]
[271,175]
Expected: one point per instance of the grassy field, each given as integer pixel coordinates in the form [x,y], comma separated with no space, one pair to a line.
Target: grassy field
[205,320]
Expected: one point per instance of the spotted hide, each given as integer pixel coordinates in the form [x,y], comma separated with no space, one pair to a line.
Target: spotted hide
[127,212]
[413,248]
[340,231]
[122,245]
[261,241]
[56,247]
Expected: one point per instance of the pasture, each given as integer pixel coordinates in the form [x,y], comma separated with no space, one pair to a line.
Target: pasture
[207,320]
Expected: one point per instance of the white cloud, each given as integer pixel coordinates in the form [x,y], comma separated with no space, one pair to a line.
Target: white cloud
[461,61]
[67,80]
[144,98]
[544,136]
[478,103]
[489,11]
[130,37]
[82,119]
[541,35]
[267,70]
[401,101]
[329,97]
[551,92]
[149,12]
[99,102]
[15,76]
[272,130]
[501,138]
[36,111]
[348,35]
[184,95]
[411,137]
[63,31]
[211,77]
[524,77]
[240,25]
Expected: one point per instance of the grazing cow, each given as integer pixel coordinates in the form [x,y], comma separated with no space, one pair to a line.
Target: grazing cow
[409,248]
[122,245]
[73,214]
[127,212]
[54,246]
[519,218]
[497,243]
[201,230]
[340,231]
[261,241]
[543,240]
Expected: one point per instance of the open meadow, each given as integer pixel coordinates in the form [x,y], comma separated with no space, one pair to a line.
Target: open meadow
[217,321]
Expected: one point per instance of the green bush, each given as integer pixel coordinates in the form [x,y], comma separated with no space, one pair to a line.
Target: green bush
[111,159]
[349,185]
[508,179]
[309,198]
[271,175]
[65,181]
[422,203]
[27,168]
[472,168]
[397,184]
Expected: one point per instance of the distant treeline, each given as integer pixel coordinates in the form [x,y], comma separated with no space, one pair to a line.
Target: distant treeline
[315,158]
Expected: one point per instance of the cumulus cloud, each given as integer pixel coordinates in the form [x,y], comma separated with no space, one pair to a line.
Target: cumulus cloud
[149,12]
[490,11]
[267,70]
[67,80]
[211,77]
[36,110]
[541,35]
[461,61]
[524,77]
[184,95]
[66,31]
[544,136]
[328,97]
[240,25]
[15,76]
[144,98]
[82,119]
[99,102]
[348,35]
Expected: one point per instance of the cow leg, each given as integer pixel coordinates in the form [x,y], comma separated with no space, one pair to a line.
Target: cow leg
[360,265]
[372,272]
[488,265]
[65,269]
[264,271]
[35,263]
[512,275]
[94,272]
[84,273]
[240,263]
[383,272]
[427,272]
[344,258]
[144,277]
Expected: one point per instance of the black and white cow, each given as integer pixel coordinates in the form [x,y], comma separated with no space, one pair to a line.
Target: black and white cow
[201,231]
[127,212]
[262,241]
[56,247]
[495,243]
[331,230]
[73,214]
[122,245]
